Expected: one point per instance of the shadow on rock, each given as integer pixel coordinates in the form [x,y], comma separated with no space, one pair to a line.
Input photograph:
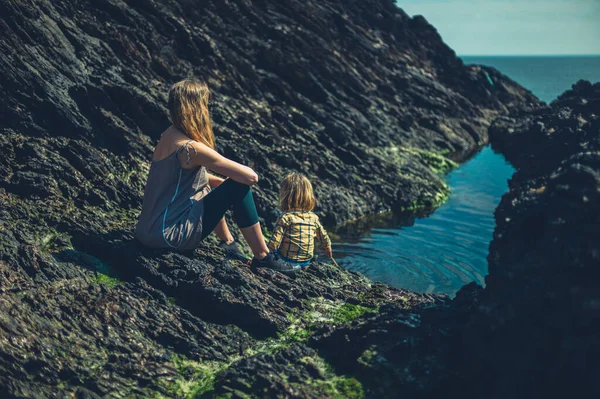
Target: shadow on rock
[219,289]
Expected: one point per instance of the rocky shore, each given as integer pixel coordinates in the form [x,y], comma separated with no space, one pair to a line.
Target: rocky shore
[536,332]
[366,101]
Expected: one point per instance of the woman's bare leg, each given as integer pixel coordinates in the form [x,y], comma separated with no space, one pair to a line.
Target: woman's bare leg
[222,231]
[255,240]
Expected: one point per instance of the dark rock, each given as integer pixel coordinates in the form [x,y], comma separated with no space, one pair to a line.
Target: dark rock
[75,337]
[537,143]
[411,352]
[296,371]
[227,291]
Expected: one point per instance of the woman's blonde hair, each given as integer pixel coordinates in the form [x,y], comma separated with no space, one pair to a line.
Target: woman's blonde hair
[296,193]
[188,106]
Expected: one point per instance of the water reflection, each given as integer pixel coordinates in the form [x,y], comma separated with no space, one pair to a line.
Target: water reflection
[432,253]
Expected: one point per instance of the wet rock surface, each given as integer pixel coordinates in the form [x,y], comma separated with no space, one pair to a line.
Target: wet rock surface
[366,101]
[182,326]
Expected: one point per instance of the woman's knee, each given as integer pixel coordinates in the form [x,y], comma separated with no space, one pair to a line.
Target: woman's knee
[237,187]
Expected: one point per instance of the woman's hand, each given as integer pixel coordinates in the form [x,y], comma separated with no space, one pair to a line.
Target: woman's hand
[210,159]
[328,252]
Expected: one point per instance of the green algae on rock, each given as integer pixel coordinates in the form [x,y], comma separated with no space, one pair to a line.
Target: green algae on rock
[107,280]
[348,312]
[198,378]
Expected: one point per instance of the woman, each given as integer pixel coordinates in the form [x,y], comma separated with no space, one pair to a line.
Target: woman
[179,208]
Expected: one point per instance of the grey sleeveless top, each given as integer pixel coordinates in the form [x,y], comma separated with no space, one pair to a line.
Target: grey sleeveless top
[172,209]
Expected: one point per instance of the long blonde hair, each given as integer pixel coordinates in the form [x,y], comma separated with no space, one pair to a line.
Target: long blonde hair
[188,106]
[296,192]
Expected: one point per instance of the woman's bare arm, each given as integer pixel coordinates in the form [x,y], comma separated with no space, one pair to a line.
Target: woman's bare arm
[210,159]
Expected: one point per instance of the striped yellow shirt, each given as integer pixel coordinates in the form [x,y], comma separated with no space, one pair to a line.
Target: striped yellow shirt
[295,233]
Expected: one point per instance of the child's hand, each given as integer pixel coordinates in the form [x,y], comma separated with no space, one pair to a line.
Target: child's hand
[328,252]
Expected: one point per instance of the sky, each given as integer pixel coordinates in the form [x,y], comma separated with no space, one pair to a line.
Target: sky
[513,27]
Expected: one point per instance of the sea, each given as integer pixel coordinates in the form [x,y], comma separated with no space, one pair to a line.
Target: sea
[448,249]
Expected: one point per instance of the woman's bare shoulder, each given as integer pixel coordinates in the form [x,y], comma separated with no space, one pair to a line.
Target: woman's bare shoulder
[170,141]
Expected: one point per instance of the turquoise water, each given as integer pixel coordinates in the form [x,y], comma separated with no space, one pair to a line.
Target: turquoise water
[442,252]
[446,250]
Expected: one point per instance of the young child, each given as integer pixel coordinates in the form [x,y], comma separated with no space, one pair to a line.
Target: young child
[297,227]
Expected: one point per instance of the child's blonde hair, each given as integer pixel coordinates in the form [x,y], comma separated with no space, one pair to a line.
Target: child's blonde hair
[296,193]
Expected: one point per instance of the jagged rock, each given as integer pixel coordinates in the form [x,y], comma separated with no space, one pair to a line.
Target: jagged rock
[296,371]
[227,291]
[513,99]
[538,142]
[411,352]
[60,337]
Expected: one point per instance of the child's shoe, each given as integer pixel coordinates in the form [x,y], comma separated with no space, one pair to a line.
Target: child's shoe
[273,261]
